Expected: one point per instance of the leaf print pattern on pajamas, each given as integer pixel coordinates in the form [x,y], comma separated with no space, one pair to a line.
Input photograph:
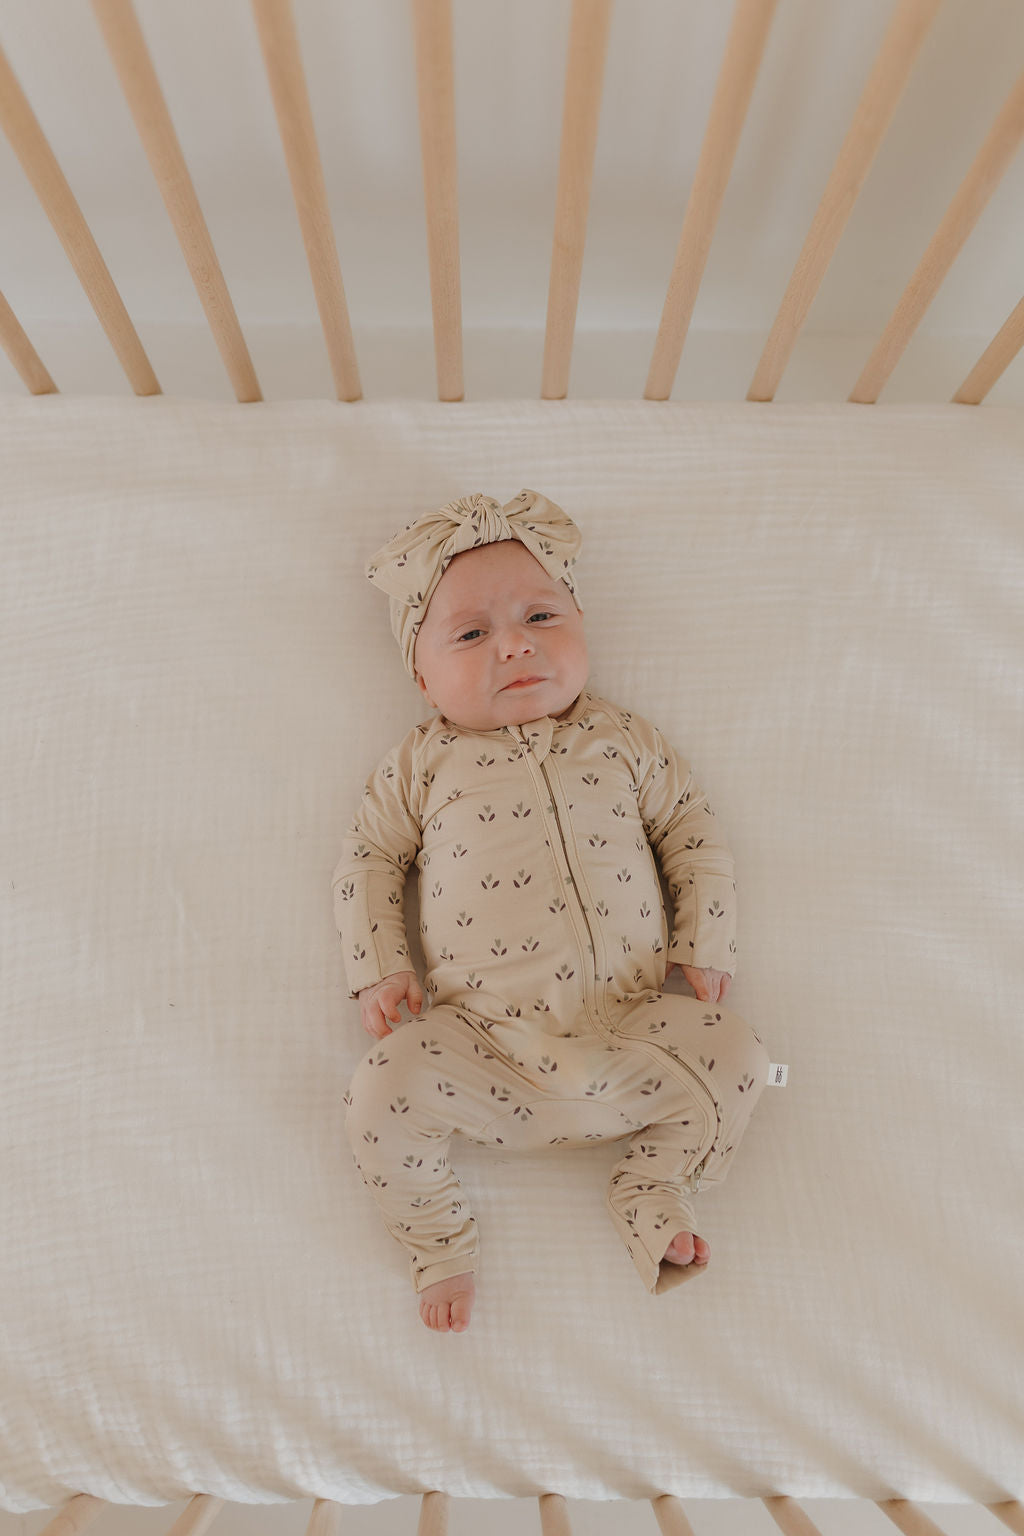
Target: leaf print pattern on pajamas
[546,944]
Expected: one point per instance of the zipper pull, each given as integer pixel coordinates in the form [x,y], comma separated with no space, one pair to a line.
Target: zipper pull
[695,1177]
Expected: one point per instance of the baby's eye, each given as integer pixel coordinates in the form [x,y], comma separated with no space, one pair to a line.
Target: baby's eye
[470,633]
[541,616]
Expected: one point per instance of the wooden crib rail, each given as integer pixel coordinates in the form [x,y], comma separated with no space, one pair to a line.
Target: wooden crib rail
[743,53]
[435,76]
[327,1517]
[588,47]
[127,48]
[280,44]
[878,102]
[1011,1513]
[22,353]
[963,213]
[40,166]
[434,43]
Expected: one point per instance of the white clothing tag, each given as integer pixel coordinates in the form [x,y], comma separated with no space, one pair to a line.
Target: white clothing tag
[778,1072]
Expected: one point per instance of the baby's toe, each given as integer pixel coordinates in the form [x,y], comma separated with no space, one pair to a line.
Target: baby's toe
[681,1249]
[460,1314]
[445,1307]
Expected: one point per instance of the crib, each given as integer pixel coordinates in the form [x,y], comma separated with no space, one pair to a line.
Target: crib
[815,591]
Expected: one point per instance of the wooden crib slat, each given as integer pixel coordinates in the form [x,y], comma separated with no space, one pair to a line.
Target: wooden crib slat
[197,1516]
[789,1517]
[75,1516]
[584,78]
[22,353]
[910,1520]
[433,1515]
[878,102]
[960,218]
[275,24]
[39,163]
[325,1519]
[554,1515]
[670,1516]
[991,365]
[1011,1513]
[131,59]
[737,76]
[435,81]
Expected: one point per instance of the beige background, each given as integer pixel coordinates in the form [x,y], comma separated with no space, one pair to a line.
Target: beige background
[509,72]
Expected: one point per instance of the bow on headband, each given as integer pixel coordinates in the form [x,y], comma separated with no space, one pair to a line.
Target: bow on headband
[410,565]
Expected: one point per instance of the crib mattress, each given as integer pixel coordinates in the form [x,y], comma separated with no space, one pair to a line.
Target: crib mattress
[821,607]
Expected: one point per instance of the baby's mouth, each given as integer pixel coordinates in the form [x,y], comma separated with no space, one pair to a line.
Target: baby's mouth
[524,682]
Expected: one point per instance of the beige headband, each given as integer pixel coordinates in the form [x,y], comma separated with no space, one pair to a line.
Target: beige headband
[410,565]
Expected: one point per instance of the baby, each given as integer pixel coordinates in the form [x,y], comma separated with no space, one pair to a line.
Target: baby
[535,812]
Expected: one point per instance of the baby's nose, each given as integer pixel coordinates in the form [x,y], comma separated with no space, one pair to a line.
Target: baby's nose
[516,640]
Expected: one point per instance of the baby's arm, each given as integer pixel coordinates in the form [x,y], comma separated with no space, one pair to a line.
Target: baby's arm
[688,845]
[379,848]
[379,1003]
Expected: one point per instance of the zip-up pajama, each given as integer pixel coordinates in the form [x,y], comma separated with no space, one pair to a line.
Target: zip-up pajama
[545,936]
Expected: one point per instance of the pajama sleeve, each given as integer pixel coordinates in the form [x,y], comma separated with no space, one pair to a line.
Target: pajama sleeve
[369,881]
[688,844]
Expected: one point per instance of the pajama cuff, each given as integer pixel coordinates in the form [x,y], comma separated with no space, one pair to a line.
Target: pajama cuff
[442,1270]
[649,1234]
[671,1275]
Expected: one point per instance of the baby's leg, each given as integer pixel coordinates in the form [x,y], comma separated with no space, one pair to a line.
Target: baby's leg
[698,1101]
[415,1088]
[731,1058]
[649,1194]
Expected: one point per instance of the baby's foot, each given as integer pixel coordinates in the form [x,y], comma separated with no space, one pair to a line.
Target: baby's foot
[687,1248]
[446,1306]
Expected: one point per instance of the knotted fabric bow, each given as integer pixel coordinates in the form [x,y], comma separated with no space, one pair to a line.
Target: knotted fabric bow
[410,565]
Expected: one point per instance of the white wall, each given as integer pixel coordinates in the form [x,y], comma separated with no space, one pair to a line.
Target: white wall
[510,63]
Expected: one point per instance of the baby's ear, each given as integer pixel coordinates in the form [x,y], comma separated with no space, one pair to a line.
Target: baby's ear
[421,685]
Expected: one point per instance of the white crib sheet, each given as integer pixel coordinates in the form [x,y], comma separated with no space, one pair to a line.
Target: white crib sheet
[821,606]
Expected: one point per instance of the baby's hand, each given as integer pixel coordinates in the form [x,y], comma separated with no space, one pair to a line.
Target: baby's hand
[380,1002]
[709,986]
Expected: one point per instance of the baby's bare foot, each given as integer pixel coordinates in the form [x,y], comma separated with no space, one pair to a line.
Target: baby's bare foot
[446,1306]
[687,1248]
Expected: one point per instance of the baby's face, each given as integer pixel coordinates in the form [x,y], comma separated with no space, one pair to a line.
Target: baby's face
[501,643]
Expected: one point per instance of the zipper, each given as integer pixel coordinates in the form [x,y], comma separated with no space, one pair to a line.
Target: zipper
[591,986]
[590,991]
[662,1058]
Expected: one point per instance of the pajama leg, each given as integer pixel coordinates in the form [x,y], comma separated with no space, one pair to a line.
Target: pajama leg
[681,1078]
[699,1102]
[415,1088]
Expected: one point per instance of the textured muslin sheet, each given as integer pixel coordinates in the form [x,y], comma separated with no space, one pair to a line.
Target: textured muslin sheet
[822,608]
